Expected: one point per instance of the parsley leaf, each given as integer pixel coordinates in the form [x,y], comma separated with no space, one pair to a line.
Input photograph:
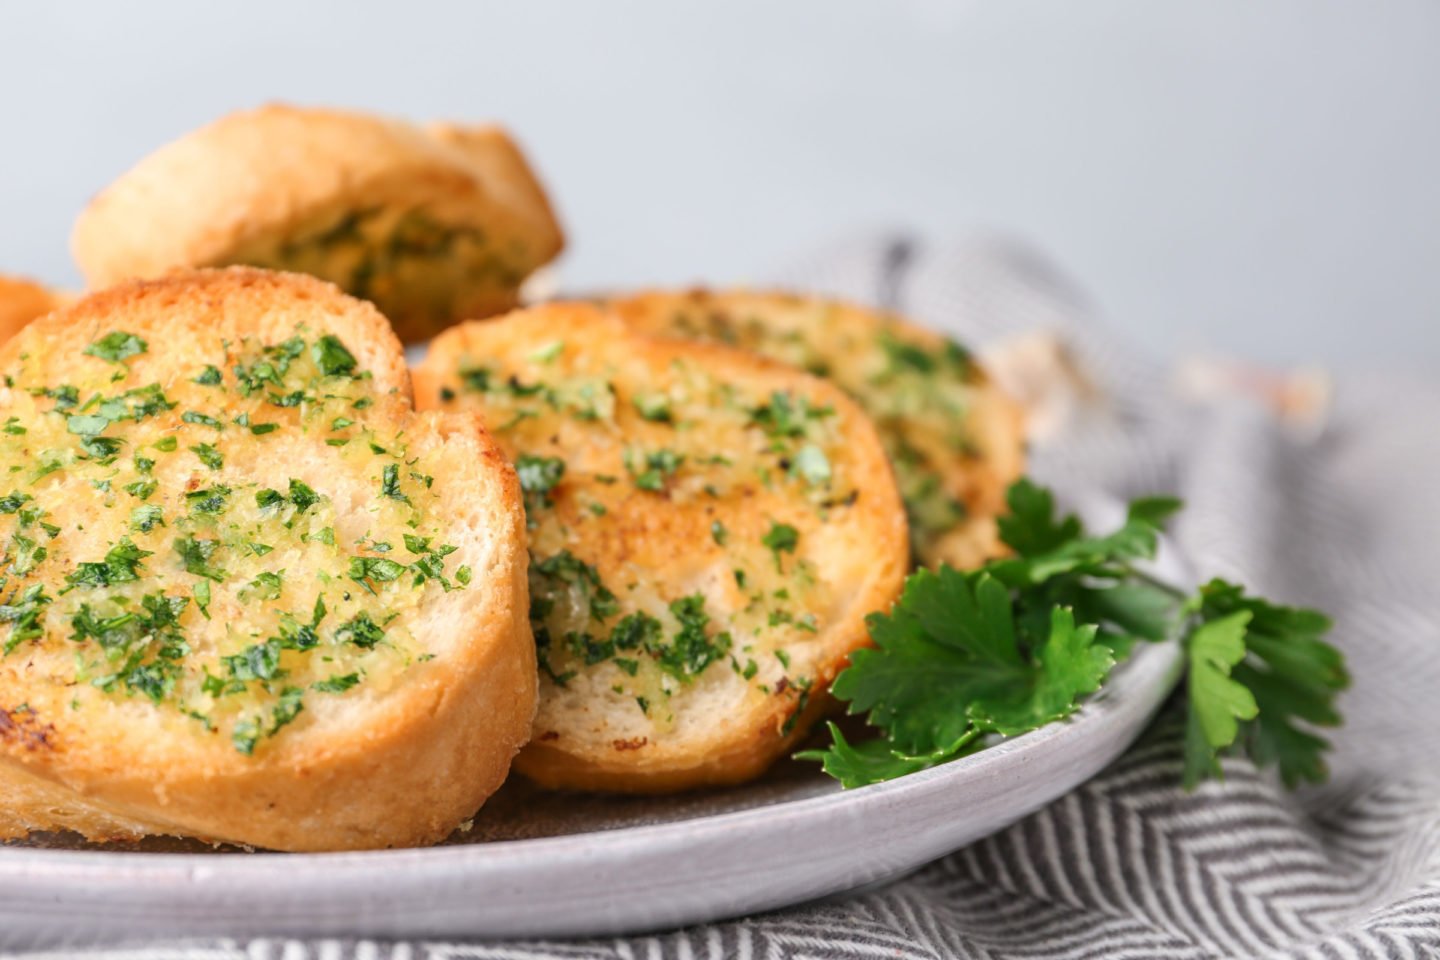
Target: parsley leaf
[654,407]
[195,554]
[1218,703]
[122,564]
[208,455]
[390,484]
[781,538]
[651,470]
[539,476]
[1290,673]
[116,346]
[332,358]
[336,684]
[965,658]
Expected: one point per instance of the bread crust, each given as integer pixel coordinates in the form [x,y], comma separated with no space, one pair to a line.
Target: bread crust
[21,301]
[915,410]
[784,617]
[239,189]
[427,734]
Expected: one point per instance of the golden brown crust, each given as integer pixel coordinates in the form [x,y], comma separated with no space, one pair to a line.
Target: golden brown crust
[867,353]
[397,761]
[502,164]
[567,383]
[248,187]
[723,764]
[22,301]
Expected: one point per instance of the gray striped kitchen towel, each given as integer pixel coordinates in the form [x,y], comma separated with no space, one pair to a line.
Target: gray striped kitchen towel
[1336,509]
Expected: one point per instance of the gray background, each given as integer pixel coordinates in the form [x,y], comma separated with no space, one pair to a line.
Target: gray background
[1238,175]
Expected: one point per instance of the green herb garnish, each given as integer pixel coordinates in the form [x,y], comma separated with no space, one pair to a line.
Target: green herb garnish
[116,346]
[390,484]
[538,478]
[781,538]
[332,358]
[651,470]
[208,455]
[965,658]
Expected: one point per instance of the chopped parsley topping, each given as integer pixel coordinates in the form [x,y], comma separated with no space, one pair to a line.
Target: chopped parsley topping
[363,570]
[116,347]
[781,538]
[145,518]
[691,650]
[361,631]
[133,645]
[265,586]
[332,358]
[194,416]
[548,353]
[14,501]
[122,564]
[654,407]
[141,489]
[208,455]
[651,470]
[211,500]
[24,613]
[785,416]
[195,554]
[904,356]
[302,495]
[336,684]
[538,478]
[390,483]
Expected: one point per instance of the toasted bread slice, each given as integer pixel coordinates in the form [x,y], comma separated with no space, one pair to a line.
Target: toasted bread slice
[432,228]
[956,441]
[708,531]
[22,301]
[247,596]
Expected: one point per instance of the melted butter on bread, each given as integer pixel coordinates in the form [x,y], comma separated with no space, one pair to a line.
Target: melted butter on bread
[707,532]
[245,595]
[955,440]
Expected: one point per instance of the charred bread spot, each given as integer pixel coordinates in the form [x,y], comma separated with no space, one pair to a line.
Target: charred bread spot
[21,726]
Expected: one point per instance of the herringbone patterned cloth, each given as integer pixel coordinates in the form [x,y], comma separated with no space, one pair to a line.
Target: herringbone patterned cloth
[1344,517]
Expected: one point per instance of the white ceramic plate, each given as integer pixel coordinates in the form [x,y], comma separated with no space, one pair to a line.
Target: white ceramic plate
[553,865]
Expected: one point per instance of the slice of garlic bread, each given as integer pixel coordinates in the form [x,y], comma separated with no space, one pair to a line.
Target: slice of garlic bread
[956,441]
[246,594]
[22,301]
[432,228]
[707,530]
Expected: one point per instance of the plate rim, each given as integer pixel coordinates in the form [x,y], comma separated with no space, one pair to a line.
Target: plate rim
[441,882]
[1155,658]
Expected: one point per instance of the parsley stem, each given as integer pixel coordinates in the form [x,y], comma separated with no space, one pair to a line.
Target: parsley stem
[962,742]
[1157,583]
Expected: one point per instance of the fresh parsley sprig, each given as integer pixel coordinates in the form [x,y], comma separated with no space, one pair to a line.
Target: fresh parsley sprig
[966,658]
